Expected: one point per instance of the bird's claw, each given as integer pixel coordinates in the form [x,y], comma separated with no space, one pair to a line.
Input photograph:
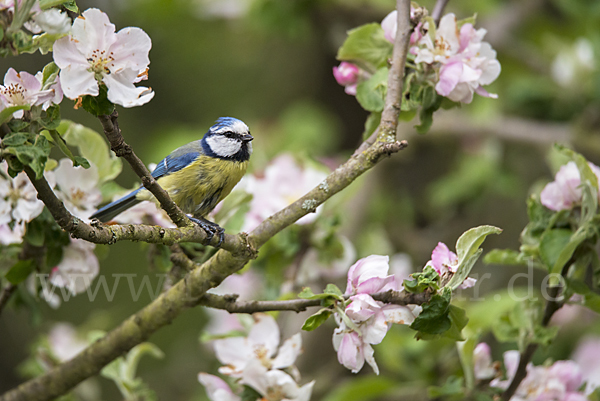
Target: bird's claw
[210,229]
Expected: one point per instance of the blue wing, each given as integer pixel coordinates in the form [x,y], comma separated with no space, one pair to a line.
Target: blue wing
[171,164]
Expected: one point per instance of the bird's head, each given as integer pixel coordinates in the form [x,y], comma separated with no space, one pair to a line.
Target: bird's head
[228,139]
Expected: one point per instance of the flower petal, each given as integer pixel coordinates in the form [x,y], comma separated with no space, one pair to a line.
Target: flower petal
[122,91]
[131,49]
[288,352]
[93,31]
[77,81]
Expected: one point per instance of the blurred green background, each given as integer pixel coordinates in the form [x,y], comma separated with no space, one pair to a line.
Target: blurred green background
[269,63]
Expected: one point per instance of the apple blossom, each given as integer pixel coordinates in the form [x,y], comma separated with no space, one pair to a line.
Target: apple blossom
[587,356]
[370,275]
[274,385]
[262,343]
[22,88]
[94,54]
[564,192]
[482,362]
[64,342]
[465,62]
[559,381]
[283,182]
[390,26]
[444,261]
[18,205]
[347,75]
[216,388]
[52,21]
[78,268]
[78,188]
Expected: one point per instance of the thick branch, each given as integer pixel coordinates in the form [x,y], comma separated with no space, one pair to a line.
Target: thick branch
[230,304]
[189,291]
[117,144]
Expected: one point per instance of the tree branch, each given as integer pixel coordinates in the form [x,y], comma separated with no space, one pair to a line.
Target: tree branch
[230,303]
[109,234]
[438,10]
[189,292]
[386,132]
[112,131]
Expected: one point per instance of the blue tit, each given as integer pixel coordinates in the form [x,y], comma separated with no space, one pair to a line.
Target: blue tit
[198,175]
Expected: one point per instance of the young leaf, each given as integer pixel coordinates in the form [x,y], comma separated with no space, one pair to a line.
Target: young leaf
[20,271]
[371,93]
[366,46]
[316,320]
[434,317]
[471,240]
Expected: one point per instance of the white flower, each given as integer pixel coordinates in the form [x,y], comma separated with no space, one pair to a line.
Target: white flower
[216,388]
[274,385]
[571,64]
[78,188]
[22,88]
[53,21]
[78,268]
[18,204]
[94,54]
[262,343]
[64,342]
[284,181]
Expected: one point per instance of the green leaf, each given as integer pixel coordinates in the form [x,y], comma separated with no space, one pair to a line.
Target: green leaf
[468,243]
[366,46]
[371,93]
[92,147]
[15,139]
[52,118]
[505,257]
[553,244]
[35,232]
[371,124]
[333,289]
[20,271]
[34,156]
[426,115]
[462,271]
[7,113]
[428,278]
[316,320]
[458,319]
[49,73]
[307,293]
[98,105]
[434,317]
[452,387]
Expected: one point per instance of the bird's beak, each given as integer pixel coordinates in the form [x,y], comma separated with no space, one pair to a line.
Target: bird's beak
[247,138]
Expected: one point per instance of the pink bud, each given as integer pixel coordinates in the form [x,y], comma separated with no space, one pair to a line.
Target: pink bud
[346,73]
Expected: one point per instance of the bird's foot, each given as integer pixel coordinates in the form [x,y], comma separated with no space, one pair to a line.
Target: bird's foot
[211,229]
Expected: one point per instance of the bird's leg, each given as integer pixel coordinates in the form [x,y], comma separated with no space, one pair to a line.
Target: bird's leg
[210,228]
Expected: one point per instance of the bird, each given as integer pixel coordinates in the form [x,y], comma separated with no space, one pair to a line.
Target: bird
[197,176]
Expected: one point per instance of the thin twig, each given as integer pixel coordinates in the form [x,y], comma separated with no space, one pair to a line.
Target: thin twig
[5,295]
[386,132]
[118,145]
[438,10]
[230,303]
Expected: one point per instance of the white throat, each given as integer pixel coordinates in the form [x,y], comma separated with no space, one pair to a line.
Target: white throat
[223,146]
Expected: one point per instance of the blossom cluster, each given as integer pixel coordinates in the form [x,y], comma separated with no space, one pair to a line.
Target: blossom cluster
[365,322]
[560,381]
[565,191]
[462,61]
[257,361]
[282,183]
[445,262]
[92,55]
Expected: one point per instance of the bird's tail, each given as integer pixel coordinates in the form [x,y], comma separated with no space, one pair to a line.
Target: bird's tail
[108,212]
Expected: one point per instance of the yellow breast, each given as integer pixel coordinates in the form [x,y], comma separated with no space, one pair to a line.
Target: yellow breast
[198,187]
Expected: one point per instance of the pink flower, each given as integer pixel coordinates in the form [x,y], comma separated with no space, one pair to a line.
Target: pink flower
[216,388]
[352,351]
[587,356]
[283,182]
[564,192]
[22,88]
[347,75]
[465,62]
[95,54]
[370,275]
[444,261]
[482,362]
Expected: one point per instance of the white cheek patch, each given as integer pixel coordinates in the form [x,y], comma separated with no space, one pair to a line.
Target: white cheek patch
[223,146]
